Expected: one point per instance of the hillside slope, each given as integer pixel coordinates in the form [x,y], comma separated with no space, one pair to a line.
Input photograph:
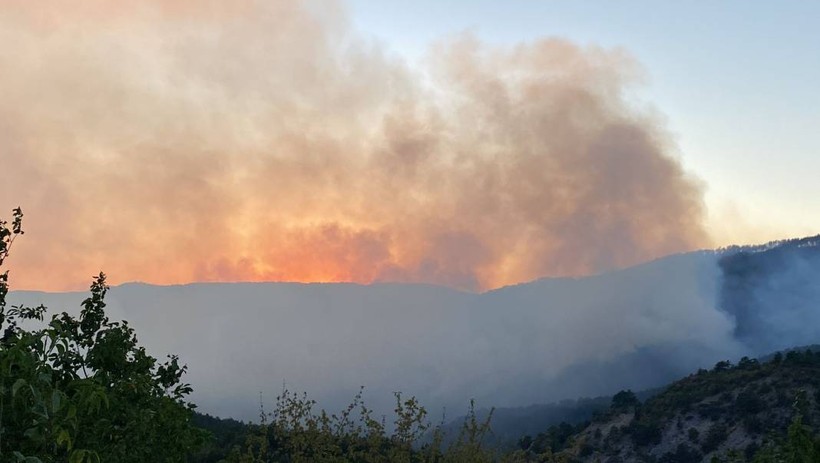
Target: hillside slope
[534,343]
[729,411]
[538,342]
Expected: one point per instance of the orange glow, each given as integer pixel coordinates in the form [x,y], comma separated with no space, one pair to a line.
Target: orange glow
[257,141]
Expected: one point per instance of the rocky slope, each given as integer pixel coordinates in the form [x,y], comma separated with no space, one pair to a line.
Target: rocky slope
[728,412]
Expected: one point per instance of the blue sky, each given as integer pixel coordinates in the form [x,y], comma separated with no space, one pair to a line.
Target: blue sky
[736,80]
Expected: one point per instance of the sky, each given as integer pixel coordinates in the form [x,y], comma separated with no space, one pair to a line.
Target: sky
[736,81]
[467,144]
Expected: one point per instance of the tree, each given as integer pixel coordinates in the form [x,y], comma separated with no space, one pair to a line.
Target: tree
[81,389]
[624,399]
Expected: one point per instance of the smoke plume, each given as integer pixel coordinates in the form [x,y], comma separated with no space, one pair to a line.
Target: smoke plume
[264,140]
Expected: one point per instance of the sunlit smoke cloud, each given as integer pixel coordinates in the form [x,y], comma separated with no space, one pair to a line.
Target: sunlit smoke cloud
[188,141]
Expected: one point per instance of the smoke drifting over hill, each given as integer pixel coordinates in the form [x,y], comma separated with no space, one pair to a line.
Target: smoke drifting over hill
[546,340]
[181,141]
[530,343]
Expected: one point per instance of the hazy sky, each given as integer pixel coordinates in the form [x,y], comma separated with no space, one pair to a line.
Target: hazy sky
[738,82]
[469,144]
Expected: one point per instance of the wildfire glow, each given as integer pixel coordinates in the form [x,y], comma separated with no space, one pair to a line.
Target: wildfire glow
[175,142]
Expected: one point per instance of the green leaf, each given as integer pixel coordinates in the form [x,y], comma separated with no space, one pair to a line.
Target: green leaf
[56,401]
[84,456]
[33,433]
[77,456]
[64,438]
[17,385]
[22,458]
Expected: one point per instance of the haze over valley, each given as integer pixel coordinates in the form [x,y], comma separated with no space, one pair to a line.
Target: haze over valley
[350,230]
[537,342]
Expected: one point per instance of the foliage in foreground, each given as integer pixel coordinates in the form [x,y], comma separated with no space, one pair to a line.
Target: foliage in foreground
[80,389]
[296,432]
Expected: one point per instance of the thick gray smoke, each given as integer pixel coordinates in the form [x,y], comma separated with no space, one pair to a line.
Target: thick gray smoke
[531,343]
[773,294]
[176,141]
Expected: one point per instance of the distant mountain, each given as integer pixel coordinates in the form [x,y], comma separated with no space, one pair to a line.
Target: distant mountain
[773,293]
[538,342]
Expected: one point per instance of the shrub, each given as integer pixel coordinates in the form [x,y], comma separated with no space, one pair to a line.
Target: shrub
[81,389]
[644,433]
[716,435]
[624,400]
[683,454]
[749,403]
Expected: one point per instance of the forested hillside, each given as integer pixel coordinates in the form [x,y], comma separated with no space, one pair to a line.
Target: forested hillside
[751,411]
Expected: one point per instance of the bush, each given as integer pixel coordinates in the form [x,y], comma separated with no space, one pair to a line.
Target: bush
[82,389]
[644,433]
[683,454]
[624,400]
[297,432]
[717,435]
[749,403]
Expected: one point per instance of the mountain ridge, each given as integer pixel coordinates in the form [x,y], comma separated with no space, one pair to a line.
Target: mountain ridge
[543,341]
